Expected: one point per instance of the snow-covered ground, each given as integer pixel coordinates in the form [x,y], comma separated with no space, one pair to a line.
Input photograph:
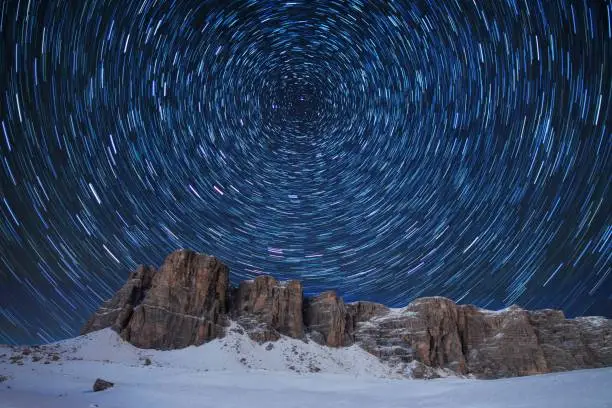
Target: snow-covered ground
[236,372]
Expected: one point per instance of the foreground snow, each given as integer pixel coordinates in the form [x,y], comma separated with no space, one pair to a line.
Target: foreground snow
[235,372]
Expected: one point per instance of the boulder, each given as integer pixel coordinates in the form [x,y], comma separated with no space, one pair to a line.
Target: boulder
[101,385]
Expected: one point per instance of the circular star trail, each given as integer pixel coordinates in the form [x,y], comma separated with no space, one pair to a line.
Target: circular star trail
[385,149]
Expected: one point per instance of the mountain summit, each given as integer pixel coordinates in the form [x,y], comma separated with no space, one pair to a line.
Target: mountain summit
[189,301]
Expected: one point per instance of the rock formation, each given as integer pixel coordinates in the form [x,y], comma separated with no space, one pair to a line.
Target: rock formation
[117,311]
[182,304]
[468,340]
[189,301]
[267,308]
[101,385]
[326,317]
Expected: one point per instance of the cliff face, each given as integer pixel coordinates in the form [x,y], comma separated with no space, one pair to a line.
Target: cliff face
[189,301]
[183,303]
[327,318]
[117,311]
[267,308]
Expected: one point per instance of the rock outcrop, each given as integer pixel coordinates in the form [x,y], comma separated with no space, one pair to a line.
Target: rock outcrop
[189,301]
[117,311]
[184,303]
[569,344]
[500,344]
[267,308]
[101,385]
[465,339]
[364,311]
[327,318]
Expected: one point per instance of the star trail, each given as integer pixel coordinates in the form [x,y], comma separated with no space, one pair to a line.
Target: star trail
[386,149]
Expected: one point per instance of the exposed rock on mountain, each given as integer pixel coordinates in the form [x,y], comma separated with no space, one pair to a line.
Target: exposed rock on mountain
[433,333]
[189,301]
[327,315]
[501,344]
[364,311]
[469,340]
[569,344]
[183,304]
[267,308]
[117,311]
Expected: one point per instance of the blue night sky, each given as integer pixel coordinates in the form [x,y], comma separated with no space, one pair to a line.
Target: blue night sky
[386,149]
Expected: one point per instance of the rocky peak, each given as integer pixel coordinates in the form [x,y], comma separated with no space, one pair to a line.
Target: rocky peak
[189,301]
[267,308]
[181,304]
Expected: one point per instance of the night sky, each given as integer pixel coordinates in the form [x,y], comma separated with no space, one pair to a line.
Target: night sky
[388,150]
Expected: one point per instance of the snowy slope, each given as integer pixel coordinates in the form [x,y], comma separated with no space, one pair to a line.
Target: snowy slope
[236,352]
[236,372]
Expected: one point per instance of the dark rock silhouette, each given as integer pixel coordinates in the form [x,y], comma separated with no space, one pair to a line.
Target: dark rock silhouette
[101,385]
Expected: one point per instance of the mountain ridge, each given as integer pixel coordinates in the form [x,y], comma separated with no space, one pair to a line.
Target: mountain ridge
[189,301]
